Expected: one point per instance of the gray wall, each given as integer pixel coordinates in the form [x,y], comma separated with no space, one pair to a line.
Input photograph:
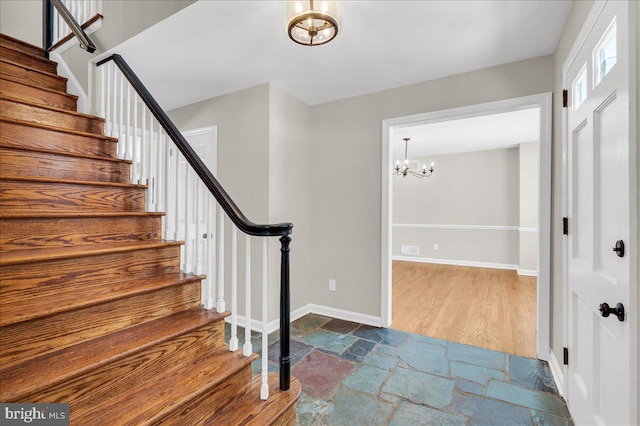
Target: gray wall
[122,20]
[22,19]
[345,183]
[528,247]
[472,188]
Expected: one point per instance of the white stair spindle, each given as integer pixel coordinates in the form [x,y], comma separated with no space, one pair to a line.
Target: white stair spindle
[211,252]
[143,146]
[129,154]
[151,201]
[247,348]
[233,341]
[165,184]
[220,306]
[209,261]
[114,103]
[122,141]
[198,240]
[103,95]
[188,216]
[264,389]
[135,176]
[160,170]
[176,193]
[108,92]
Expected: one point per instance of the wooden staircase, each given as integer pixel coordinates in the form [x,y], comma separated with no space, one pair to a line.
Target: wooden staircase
[94,310]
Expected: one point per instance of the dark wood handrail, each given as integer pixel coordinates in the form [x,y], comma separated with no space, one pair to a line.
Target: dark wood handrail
[232,210]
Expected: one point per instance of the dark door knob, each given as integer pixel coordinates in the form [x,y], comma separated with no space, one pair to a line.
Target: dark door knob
[619,248]
[606,310]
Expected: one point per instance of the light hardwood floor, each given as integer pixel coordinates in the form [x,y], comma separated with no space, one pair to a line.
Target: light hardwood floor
[490,308]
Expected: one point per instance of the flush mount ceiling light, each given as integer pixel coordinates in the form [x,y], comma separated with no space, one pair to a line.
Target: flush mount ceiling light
[312,23]
[404,170]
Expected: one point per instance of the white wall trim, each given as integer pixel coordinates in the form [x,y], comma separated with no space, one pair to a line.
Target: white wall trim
[311,308]
[557,372]
[73,41]
[200,131]
[528,272]
[491,265]
[541,101]
[478,227]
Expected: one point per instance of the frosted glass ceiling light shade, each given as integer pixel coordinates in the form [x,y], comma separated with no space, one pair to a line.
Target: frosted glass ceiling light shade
[312,22]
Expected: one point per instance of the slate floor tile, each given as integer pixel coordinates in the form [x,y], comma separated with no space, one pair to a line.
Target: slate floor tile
[544,419]
[366,379]
[297,351]
[427,339]
[381,361]
[385,349]
[486,411]
[387,336]
[531,373]
[541,401]
[413,414]
[312,411]
[329,340]
[477,356]
[420,388]
[475,373]
[469,387]
[309,322]
[358,350]
[320,373]
[425,357]
[340,326]
[358,408]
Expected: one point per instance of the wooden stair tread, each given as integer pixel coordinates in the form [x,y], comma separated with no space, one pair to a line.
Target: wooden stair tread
[30,55]
[77,297]
[27,67]
[44,89]
[149,402]
[50,108]
[71,181]
[66,154]
[23,379]
[59,129]
[41,255]
[251,410]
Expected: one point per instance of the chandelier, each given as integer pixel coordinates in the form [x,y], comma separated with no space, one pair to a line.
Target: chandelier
[404,171]
[312,23]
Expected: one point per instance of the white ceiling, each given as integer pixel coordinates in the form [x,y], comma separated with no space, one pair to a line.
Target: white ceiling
[495,131]
[215,47]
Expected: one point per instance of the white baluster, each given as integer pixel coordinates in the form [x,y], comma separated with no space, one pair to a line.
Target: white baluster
[107,128]
[264,389]
[197,250]
[211,252]
[188,215]
[143,146]
[151,201]
[169,182]
[159,175]
[166,165]
[85,8]
[233,341]
[92,10]
[130,136]
[220,307]
[177,194]
[207,298]
[122,141]
[103,93]
[114,103]
[135,178]
[247,348]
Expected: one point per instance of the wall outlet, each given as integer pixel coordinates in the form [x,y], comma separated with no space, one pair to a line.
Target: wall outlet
[412,250]
[332,285]
[435,247]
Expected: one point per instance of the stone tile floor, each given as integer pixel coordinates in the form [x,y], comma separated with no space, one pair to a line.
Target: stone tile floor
[354,374]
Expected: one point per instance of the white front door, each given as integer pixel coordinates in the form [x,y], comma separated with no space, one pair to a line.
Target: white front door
[603,362]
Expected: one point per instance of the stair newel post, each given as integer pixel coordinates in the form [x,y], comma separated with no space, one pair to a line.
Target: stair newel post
[285,315]
[233,341]
[47,26]
[247,347]
[264,389]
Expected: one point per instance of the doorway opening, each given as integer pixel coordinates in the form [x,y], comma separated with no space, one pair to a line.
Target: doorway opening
[481,208]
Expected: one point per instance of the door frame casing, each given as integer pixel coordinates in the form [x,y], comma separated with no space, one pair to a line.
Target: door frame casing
[541,101]
[633,244]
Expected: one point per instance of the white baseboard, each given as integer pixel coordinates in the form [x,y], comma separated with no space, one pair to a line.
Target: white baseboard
[528,272]
[557,372]
[457,262]
[311,309]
